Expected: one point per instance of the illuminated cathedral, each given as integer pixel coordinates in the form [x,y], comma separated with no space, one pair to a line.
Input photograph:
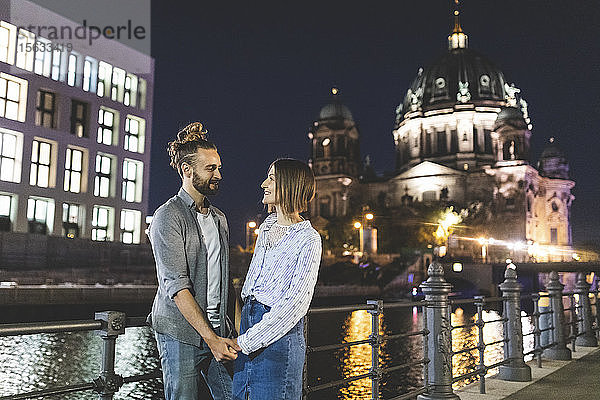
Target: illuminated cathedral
[462,136]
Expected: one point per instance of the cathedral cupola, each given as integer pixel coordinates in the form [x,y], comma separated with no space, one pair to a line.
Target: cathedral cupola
[335,140]
[553,162]
[512,136]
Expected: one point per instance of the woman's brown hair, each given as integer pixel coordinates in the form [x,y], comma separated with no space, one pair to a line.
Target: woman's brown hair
[189,140]
[294,184]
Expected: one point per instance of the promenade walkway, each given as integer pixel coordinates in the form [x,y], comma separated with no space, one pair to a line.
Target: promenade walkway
[561,380]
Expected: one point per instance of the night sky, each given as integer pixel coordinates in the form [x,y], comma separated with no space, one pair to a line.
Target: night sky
[257,74]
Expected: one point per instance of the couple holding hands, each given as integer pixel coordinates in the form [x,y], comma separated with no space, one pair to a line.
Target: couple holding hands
[195,303]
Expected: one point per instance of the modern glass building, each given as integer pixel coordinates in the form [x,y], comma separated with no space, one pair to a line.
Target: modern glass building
[75,129]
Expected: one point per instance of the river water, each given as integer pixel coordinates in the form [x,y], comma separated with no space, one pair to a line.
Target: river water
[37,362]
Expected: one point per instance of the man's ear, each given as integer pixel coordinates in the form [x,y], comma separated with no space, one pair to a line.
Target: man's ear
[186,170]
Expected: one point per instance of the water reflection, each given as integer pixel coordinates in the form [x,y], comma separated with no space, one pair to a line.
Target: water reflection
[357,359]
[37,362]
[468,337]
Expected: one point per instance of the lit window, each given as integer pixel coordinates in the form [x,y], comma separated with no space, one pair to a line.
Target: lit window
[13,97]
[117,84]
[40,164]
[56,61]
[5,205]
[7,208]
[134,134]
[40,215]
[45,114]
[88,74]
[79,118]
[553,236]
[8,34]
[131,84]
[141,94]
[102,223]
[72,69]
[72,220]
[9,151]
[102,180]
[25,50]
[73,171]
[106,126]
[104,75]
[43,57]
[130,226]
[132,181]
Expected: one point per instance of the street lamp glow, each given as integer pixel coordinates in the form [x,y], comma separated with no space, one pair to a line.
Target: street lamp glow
[442,251]
[357,225]
[369,216]
[251,224]
[457,267]
[439,232]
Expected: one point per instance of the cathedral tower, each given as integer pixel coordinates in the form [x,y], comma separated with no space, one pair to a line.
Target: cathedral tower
[335,157]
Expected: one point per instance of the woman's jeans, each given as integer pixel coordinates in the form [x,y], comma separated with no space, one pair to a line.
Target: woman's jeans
[274,372]
[184,367]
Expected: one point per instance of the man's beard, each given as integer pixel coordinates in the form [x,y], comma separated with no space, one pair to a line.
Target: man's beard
[204,186]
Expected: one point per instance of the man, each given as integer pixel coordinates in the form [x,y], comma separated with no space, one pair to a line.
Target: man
[193,307]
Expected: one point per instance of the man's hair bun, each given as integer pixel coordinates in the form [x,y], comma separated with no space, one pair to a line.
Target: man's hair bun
[192,132]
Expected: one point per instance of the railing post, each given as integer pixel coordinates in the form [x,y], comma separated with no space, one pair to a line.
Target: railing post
[375,340]
[439,353]
[113,325]
[480,300]
[582,288]
[545,320]
[537,332]
[516,369]
[559,350]
[573,323]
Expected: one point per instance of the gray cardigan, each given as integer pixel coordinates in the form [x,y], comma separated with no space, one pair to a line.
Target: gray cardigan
[181,263]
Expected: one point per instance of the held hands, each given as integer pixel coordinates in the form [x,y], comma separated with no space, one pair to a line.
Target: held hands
[223,349]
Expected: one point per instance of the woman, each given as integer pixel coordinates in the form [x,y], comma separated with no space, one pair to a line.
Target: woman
[278,289]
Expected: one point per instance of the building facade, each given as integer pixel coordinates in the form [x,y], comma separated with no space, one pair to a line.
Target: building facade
[461,136]
[75,129]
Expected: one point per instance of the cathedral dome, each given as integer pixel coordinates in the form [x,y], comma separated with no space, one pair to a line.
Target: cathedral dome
[335,109]
[553,163]
[511,116]
[460,76]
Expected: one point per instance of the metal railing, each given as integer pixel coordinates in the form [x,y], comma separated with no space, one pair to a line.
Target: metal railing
[551,333]
[376,372]
[482,369]
[108,325]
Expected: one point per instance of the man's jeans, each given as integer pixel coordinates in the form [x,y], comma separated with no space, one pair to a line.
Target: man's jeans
[184,366]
